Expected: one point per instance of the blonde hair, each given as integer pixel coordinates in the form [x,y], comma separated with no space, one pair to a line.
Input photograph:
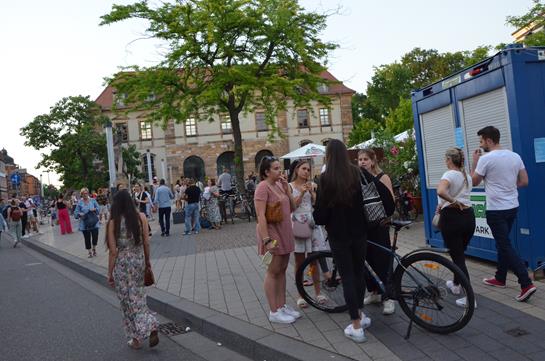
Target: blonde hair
[373,156]
[84,189]
[456,156]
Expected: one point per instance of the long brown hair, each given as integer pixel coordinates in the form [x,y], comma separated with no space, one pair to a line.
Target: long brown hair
[123,208]
[370,153]
[341,179]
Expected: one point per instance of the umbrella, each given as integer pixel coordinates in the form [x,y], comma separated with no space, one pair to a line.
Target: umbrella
[308,151]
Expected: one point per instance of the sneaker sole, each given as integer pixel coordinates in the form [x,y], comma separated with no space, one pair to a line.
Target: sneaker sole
[356,339]
[494,285]
[526,296]
[280,321]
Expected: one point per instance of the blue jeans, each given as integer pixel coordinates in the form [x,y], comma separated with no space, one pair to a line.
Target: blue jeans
[500,223]
[192,218]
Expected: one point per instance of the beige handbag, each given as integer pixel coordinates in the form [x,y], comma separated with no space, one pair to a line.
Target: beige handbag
[437,217]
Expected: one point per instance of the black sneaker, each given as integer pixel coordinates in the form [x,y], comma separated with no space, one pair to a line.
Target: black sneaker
[162,234]
[167,234]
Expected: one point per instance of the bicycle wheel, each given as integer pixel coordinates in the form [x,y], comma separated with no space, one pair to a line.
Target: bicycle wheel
[319,283]
[420,288]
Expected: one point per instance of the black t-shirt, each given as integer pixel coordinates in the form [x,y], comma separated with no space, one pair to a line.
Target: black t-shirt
[193,194]
[23,209]
[61,205]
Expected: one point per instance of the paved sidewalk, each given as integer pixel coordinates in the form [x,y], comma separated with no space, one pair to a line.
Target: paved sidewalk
[221,270]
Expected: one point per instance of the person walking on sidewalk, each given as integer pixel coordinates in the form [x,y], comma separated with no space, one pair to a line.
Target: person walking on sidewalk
[163,200]
[502,171]
[129,255]
[457,220]
[192,195]
[63,215]
[87,213]
[339,206]
[15,217]
[273,205]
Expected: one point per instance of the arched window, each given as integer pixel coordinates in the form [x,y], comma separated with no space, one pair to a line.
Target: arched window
[145,165]
[304,142]
[325,141]
[226,160]
[262,153]
[194,167]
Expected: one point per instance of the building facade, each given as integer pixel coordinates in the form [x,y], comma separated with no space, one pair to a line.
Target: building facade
[29,184]
[202,149]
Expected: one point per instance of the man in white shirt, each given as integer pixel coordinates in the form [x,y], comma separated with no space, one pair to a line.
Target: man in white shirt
[502,171]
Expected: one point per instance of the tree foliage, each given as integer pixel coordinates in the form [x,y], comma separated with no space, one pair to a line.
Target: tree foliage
[131,162]
[225,57]
[71,140]
[387,104]
[535,17]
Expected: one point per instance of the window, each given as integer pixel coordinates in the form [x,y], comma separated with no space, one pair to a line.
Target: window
[145,130]
[260,123]
[323,88]
[324,117]
[304,142]
[325,142]
[121,132]
[119,99]
[145,165]
[191,127]
[302,118]
[226,124]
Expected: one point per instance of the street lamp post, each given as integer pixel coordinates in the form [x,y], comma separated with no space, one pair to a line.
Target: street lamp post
[111,160]
[148,158]
[163,169]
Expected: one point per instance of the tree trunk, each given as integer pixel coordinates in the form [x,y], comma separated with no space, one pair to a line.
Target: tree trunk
[239,163]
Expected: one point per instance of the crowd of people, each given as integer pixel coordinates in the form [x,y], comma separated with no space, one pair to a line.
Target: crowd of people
[294,215]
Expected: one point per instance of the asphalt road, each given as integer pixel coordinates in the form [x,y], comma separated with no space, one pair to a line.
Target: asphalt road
[47,315]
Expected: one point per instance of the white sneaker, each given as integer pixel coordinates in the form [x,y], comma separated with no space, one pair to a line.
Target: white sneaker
[463,301]
[25,236]
[288,310]
[372,298]
[365,322]
[280,317]
[355,335]
[453,288]
[388,307]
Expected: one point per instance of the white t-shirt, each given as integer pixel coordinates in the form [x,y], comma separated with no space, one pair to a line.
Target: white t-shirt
[457,187]
[500,169]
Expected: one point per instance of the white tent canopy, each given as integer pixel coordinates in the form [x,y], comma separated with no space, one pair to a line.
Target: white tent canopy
[310,150]
[398,138]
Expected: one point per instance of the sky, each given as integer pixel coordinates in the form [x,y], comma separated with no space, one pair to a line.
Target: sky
[53,49]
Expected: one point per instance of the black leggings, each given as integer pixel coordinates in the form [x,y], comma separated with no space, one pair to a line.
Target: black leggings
[87,235]
[378,258]
[349,255]
[457,227]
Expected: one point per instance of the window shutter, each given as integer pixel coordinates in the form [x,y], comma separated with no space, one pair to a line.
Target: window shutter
[481,111]
[437,135]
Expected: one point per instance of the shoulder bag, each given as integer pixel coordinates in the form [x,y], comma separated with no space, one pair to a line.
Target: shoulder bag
[372,203]
[273,210]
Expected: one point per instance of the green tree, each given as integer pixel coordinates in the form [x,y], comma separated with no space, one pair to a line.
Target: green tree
[362,109]
[401,118]
[71,140]
[226,57]
[131,162]
[535,18]
[363,130]
[51,192]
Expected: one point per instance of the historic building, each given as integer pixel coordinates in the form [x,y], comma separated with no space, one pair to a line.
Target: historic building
[198,149]
[29,184]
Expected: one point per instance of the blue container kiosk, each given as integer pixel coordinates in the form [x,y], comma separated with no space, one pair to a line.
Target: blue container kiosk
[507,91]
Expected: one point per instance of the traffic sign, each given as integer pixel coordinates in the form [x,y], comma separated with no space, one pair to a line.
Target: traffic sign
[15,179]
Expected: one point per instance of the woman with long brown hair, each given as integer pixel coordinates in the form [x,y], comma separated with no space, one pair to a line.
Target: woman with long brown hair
[339,206]
[275,235]
[127,238]
[378,259]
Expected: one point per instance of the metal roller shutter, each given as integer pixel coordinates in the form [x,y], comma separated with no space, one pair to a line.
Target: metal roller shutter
[481,111]
[437,135]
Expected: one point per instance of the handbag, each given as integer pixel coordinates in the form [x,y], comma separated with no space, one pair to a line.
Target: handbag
[90,220]
[301,230]
[437,217]
[372,203]
[273,210]
[149,279]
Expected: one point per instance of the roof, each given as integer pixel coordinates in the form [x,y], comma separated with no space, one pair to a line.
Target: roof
[335,87]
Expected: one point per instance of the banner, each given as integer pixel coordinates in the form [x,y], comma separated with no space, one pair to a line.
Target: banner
[478,199]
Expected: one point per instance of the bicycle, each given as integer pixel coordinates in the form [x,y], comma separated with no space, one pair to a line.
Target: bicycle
[418,283]
[225,201]
[243,207]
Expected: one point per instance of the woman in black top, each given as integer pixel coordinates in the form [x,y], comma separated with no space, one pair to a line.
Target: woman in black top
[140,198]
[64,216]
[339,206]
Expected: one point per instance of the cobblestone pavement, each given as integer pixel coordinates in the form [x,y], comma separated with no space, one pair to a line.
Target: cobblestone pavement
[221,270]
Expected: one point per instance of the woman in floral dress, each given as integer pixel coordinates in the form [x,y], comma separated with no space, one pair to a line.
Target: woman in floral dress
[128,243]
[212,207]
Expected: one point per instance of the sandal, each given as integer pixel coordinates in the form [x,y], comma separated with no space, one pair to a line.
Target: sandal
[94,252]
[321,299]
[153,339]
[301,303]
[90,255]
[135,345]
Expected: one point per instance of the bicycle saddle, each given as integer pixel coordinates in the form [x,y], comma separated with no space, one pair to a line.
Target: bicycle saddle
[400,224]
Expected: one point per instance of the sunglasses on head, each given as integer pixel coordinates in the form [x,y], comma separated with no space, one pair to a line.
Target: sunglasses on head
[270,157]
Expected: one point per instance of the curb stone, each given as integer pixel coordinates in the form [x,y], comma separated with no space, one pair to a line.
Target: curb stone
[249,340]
